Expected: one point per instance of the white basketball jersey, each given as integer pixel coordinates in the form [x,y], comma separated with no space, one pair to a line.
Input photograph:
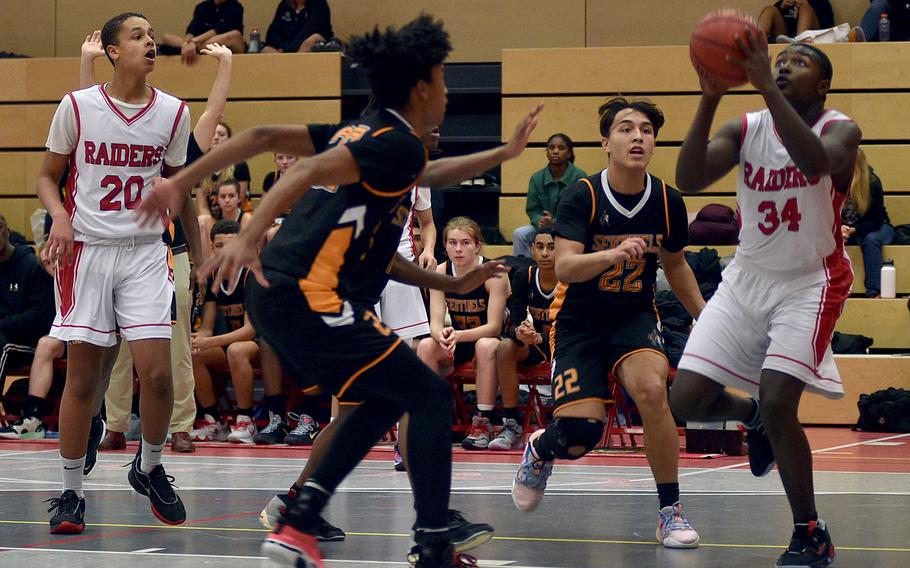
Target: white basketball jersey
[788,220]
[115,160]
[420,201]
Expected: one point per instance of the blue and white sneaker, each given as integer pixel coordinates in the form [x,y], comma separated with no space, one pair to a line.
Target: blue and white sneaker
[531,478]
[674,530]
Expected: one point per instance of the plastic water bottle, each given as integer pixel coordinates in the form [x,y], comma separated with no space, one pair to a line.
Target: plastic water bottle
[889,279]
[884,28]
[255,41]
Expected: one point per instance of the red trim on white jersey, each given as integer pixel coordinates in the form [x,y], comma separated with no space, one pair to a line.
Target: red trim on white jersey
[71,186]
[129,121]
[814,371]
[742,135]
[176,122]
[66,282]
[722,368]
[83,327]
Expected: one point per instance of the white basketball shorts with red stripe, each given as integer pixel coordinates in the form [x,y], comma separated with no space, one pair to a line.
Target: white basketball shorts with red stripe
[762,319]
[114,285]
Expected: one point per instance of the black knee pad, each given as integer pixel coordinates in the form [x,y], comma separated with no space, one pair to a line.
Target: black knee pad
[574,433]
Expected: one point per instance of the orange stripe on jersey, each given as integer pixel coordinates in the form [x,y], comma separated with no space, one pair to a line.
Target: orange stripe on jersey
[666,208]
[396,193]
[381,131]
[320,286]
[593,199]
[366,368]
[555,306]
[170,258]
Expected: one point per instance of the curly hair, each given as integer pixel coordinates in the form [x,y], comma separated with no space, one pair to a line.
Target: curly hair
[395,60]
[611,108]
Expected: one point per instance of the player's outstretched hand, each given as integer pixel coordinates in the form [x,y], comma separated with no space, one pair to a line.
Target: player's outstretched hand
[480,274]
[226,263]
[755,61]
[159,203]
[92,47]
[59,247]
[522,133]
[216,50]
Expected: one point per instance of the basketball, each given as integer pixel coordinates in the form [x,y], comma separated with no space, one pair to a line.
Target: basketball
[714,39]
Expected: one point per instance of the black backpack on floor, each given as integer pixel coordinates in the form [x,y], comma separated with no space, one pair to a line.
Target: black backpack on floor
[885,410]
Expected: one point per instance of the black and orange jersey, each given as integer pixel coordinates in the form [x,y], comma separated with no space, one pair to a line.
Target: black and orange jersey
[334,234]
[593,214]
[467,310]
[230,307]
[528,296]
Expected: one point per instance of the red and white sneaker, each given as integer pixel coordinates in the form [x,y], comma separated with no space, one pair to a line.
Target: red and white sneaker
[287,546]
[242,431]
[209,430]
[674,530]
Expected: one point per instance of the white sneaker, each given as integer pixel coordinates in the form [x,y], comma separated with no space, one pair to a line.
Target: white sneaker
[23,429]
[674,530]
[509,438]
[531,478]
[209,430]
[242,431]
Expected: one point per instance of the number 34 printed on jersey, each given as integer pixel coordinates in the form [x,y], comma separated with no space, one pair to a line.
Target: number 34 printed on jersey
[789,215]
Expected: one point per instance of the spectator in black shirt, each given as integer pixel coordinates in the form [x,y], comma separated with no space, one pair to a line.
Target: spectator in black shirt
[26,299]
[298,25]
[214,21]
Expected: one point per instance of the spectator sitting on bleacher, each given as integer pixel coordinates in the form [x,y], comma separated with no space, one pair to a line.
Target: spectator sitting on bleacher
[298,25]
[41,373]
[214,21]
[26,301]
[206,192]
[527,341]
[477,319]
[898,19]
[544,189]
[228,207]
[866,223]
[793,17]
[235,346]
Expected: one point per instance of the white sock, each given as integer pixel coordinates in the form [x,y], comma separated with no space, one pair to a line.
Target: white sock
[151,456]
[72,474]
[485,407]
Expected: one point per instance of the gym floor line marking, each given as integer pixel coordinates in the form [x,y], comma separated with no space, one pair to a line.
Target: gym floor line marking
[480,563]
[833,448]
[408,535]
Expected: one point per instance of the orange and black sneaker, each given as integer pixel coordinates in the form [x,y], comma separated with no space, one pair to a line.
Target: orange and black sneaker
[69,517]
[810,546]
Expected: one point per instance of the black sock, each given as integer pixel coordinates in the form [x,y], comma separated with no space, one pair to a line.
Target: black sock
[545,445]
[304,513]
[213,412]
[275,403]
[34,407]
[248,412]
[668,493]
[488,414]
[755,421]
[294,491]
[512,413]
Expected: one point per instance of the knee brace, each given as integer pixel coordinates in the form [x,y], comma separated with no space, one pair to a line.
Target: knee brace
[575,437]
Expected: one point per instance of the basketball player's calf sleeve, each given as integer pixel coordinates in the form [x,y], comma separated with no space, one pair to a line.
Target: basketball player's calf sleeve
[430,437]
[356,436]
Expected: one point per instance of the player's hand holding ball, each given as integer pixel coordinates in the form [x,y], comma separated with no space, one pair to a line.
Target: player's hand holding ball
[728,49]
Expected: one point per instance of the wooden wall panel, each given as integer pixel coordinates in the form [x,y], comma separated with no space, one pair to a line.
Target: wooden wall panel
[882,116]
[27,27]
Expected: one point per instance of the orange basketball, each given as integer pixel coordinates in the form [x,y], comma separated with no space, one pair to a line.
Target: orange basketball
[714,39]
